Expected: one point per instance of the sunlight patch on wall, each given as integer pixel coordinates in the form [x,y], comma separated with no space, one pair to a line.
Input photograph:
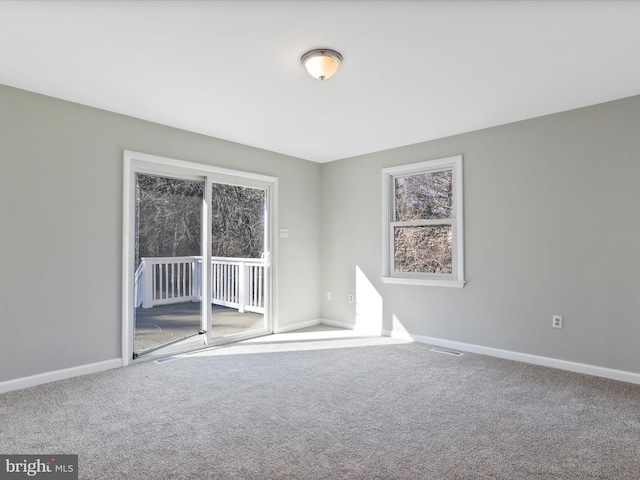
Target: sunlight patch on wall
[396,325]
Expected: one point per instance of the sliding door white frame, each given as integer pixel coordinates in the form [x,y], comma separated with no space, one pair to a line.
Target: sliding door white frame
[145,163]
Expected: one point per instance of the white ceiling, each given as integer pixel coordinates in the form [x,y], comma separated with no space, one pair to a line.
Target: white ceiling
[413,70]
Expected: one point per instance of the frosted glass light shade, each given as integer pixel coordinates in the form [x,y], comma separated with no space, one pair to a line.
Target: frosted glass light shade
[322,63]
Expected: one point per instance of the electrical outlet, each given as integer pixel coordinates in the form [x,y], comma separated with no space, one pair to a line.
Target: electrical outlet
[328,295]
[557,321]
[351,298]
[284,233]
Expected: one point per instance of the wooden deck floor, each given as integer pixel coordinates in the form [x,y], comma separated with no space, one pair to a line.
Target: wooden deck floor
[165,323]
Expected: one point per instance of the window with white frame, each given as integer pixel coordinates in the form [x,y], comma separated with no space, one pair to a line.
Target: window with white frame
[423,223]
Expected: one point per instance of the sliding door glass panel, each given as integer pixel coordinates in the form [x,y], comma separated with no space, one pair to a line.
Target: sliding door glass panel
[168,261]
[238,260]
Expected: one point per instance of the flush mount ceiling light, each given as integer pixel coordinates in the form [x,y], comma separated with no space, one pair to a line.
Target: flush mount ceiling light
[321,63]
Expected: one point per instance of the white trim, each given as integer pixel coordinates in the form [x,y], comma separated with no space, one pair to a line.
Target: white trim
[319,321]
[196,167]
[335,323]
[427,165]
[363,330]
[456,278]
[48,377]
[428,282]
[126,254]
[613,374]
[298,325]
[273,255]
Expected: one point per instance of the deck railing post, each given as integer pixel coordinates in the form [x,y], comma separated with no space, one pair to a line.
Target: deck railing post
[147,283]
[237,283]
[242,287]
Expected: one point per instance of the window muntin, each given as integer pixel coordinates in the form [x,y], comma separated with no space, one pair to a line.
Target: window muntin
[423,223]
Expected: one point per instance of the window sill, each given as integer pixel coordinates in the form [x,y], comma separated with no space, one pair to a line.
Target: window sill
[425,282]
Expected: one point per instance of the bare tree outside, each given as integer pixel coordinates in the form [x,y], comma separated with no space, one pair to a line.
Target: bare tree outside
[423,244]
[237,227]
[169,217]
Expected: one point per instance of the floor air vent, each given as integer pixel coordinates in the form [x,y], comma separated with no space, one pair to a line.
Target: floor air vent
[448,352]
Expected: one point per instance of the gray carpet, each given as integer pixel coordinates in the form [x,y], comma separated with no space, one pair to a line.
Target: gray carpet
[289,407]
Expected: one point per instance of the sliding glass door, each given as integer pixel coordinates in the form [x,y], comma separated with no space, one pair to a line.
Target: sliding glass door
[198,257]
[168,261]
[238,259]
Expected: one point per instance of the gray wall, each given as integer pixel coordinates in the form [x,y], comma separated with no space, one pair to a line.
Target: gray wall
[552,224]
[61,224]
[551,227]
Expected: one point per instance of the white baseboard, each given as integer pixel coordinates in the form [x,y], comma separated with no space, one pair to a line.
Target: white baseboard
[334,323]
[587,369]
[318,321]
[48,377]
[620,375]
[364,330]
[297,326]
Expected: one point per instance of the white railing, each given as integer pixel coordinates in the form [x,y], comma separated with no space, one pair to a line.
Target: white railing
[238,283]
[235,282]
[165,280]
